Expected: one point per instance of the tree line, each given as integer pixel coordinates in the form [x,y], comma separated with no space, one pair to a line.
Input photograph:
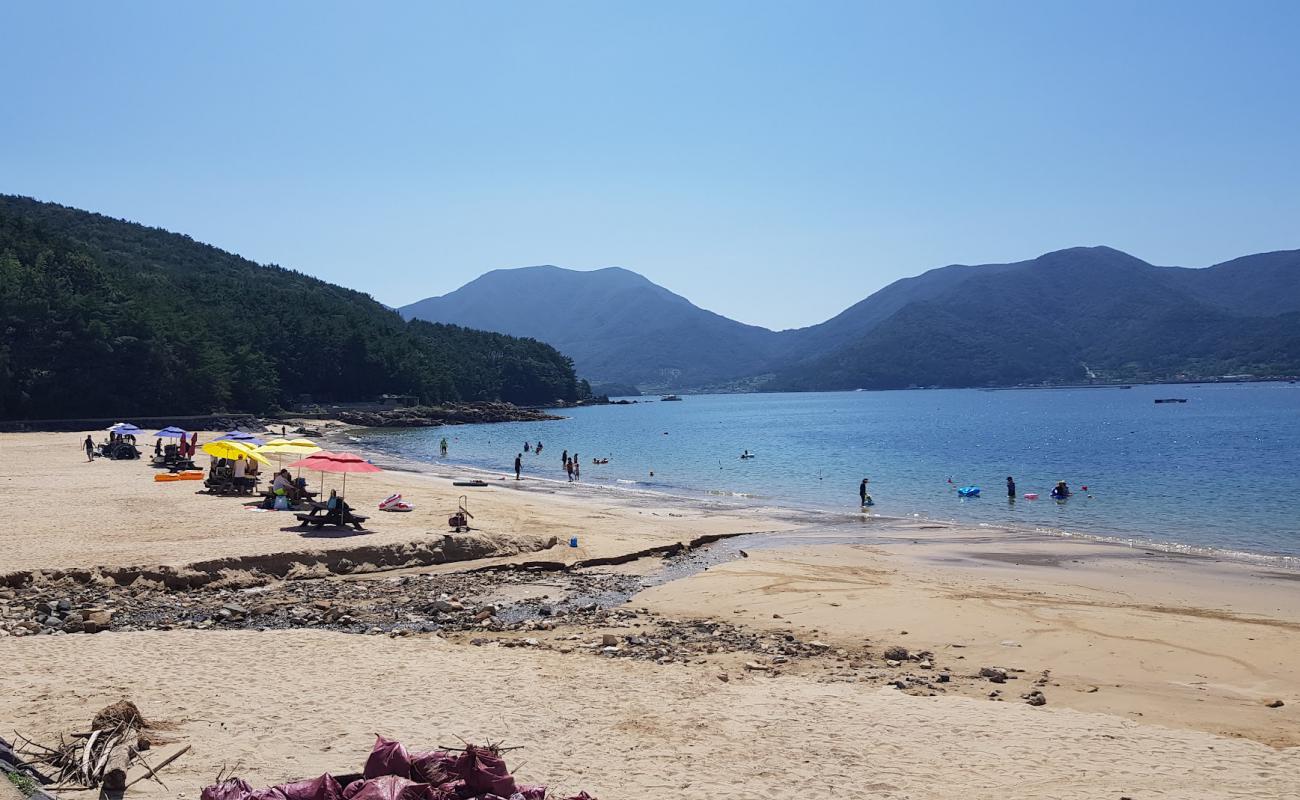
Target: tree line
[103,317]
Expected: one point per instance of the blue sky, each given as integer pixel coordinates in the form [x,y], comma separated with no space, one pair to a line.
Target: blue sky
[774,162]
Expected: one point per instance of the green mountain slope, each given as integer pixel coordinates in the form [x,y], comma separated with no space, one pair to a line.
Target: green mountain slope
[617,326]
[1062,317]
[103,317]
[1053,318]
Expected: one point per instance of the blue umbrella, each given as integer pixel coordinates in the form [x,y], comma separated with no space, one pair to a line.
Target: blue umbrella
[126,429]
[240,436]
[171,432]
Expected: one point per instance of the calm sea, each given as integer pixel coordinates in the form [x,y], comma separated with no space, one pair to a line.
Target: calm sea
[1221,471]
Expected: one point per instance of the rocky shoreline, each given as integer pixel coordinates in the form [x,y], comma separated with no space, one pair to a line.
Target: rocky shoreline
[435,416]
[569,612]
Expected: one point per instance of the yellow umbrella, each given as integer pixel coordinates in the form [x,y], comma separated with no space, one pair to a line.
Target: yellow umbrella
[297,448]
[232,450]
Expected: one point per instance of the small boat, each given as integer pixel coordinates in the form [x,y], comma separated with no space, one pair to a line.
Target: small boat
[669,397]
[469,483]
[1171,400]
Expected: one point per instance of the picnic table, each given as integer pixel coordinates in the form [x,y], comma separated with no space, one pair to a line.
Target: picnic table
[225,483]
[321,514]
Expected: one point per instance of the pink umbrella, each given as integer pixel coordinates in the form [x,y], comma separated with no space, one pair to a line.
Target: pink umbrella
[336,462]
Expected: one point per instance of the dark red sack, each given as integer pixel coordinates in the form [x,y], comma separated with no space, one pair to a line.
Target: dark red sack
[393,787]
[388,758]
[580,796]
[434,766]
[233,789]
[322,788]
[484,772]
[529,793]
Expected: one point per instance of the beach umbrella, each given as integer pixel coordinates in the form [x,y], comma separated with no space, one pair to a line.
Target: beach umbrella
[232,450]
[126,429]
[280,448]
[240,436]
[283,447]
[312,461]
[171,432]
[342,463]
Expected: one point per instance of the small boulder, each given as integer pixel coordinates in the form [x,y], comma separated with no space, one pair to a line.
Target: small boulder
[994,674]
[896,653]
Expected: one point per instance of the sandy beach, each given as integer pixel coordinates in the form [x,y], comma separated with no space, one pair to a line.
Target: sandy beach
[1157,670]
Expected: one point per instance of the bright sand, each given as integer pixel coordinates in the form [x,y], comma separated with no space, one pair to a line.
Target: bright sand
[1179,650]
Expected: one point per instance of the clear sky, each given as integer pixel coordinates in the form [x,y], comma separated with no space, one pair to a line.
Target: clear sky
[774,162]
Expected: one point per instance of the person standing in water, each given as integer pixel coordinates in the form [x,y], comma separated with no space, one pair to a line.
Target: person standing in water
[862,491]
[442,447]
[1011,488]
[519,464]
[528,447]
[538,448]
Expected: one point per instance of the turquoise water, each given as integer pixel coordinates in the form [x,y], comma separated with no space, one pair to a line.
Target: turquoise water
[1219,472]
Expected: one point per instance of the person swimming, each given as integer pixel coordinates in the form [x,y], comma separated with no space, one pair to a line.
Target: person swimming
[746,454]
[1060,491]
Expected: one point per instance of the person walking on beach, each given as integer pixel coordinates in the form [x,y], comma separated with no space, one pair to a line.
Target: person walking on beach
[519,464]
[89,444]
[862,491]
[1011,488]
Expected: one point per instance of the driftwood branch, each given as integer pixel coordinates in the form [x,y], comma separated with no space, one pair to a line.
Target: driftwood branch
[153,770]
[117,758]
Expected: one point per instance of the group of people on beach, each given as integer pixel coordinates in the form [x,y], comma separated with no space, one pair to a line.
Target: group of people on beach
[529,447]
[571,467]
[1061,491]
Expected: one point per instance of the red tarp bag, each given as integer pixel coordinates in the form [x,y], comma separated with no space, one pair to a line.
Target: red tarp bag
[484,772]
[232,789]
[388,758]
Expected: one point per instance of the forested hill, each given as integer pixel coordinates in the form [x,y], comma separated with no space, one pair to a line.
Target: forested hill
[1080,314]
[618,326]
[1067,316]
[103,317]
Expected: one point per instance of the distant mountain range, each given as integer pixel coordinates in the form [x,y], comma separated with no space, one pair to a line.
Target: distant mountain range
[1070,315]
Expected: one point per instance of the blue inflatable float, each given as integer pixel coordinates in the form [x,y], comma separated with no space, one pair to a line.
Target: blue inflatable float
[968,491]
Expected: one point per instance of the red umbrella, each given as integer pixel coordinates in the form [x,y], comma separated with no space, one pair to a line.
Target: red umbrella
[336,462]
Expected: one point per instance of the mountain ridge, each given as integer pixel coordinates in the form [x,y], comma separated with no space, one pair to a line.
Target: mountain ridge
[1080,301]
